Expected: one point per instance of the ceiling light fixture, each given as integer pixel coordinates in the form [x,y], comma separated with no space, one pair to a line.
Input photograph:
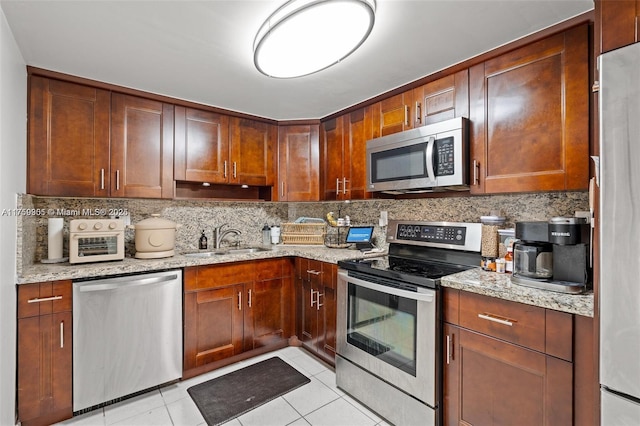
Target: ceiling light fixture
[305,36]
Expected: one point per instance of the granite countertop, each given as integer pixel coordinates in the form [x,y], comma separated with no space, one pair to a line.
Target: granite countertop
[474,280]
[500,286]
[66,271]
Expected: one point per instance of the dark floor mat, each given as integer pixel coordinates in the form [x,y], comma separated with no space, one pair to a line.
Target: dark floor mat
[229,396]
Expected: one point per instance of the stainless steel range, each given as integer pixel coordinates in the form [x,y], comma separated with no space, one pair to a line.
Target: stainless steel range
[388,325]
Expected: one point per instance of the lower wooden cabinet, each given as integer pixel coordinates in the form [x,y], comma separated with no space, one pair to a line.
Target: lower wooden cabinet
[510,363]
[316,287]
[234,308]
[44,353]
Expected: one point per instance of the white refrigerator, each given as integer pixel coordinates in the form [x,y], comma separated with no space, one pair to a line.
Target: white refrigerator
[620,236]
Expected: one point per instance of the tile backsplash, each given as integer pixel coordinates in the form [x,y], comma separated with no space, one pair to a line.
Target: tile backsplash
[250,217]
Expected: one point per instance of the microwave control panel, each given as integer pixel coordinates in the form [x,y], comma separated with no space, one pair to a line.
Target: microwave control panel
[444,157]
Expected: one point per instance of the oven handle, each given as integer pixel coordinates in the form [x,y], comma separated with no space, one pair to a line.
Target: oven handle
[421,297]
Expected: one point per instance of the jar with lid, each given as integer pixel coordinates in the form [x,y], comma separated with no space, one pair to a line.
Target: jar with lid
[490,241]
[266,235]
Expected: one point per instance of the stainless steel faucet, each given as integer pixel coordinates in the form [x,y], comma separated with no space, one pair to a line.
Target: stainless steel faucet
[219,234]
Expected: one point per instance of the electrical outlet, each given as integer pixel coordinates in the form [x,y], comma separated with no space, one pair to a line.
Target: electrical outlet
[384,219]
[125,218]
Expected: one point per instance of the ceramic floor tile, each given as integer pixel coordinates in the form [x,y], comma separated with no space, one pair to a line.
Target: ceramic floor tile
[155,417]
[310,397]
[328,377]
[307,364]
[339,412]
[234,422]
[363,408]
[301,422]
[132,407]
[184,412]
[274,413]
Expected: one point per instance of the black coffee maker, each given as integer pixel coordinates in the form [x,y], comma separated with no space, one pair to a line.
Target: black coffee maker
[553,255]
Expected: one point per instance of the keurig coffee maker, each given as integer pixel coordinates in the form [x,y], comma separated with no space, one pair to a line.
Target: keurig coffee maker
[553,255]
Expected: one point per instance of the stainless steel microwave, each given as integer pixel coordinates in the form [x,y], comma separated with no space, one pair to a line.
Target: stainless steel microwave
[428,158]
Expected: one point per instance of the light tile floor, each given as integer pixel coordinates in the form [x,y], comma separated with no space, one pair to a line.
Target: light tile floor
[318,403]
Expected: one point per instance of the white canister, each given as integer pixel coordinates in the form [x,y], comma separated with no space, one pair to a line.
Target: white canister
[55,237]
[275,234]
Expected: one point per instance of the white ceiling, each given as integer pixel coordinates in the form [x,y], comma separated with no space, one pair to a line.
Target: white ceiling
[201,51]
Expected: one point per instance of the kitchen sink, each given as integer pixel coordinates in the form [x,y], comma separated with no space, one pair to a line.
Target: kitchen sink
[223,252]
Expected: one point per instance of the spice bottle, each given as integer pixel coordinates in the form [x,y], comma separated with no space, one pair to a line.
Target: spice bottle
[202,244]
[508,258]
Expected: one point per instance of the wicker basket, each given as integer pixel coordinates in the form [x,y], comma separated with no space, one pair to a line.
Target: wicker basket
[303,233]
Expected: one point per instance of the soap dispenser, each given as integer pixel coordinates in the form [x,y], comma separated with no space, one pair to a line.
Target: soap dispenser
[203,241]
[266,235]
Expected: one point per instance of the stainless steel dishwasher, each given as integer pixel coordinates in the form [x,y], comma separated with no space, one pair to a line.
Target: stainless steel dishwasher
[127,335]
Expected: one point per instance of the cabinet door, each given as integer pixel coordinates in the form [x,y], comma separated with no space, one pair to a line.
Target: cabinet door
[327,306]
[298,163]
[269,308]
[68,151]
[357,134]
[141,148]
[213,325]
[252,152]
[308,315]
[201,146]
[618,22]
[44,368]
[528,113]
[395,114]
[334,177]
[494,382]
[442,99]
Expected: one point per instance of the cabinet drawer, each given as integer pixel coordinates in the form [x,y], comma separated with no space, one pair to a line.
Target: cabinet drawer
[269,269]
[511,321]
[206,277]
[44,298]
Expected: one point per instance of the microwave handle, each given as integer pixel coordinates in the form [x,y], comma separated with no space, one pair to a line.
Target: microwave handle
[429,154]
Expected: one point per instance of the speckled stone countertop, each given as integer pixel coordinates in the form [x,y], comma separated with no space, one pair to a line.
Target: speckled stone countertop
[66,271]
[500,286]
[474,280]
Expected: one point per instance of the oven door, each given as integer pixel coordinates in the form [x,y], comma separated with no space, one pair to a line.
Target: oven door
[389,332]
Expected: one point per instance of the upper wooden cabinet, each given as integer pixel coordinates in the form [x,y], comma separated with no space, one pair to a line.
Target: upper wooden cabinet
[141,147]
[298,163]
[618,23]
[344,156]
[253,152]
[201,146]
[442,99]
[71,150]
[392,115]
[68,151]
[214,148]
[529,112]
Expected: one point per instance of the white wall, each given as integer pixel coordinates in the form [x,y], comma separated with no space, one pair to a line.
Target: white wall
[13,169]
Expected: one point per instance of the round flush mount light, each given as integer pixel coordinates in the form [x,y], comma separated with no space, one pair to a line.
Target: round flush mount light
[306,36]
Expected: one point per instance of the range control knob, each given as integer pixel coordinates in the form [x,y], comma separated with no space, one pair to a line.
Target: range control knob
[112,225]
[97,226]
[82,226]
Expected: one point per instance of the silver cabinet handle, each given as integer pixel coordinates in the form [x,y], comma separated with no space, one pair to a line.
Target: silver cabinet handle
[44,299]
[476,167]
[337,186]
[224,170]
[494,318]
[249,301]
[282,196]
[61,334]
[406,115]
[318,304]
[312,301]
[239,300]
[235,170]
[117,180]
[418,113]
[449,358]
[101,178]
[344,185]
[313,271]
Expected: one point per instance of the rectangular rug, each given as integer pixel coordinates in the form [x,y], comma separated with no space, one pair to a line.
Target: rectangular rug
[229,396]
